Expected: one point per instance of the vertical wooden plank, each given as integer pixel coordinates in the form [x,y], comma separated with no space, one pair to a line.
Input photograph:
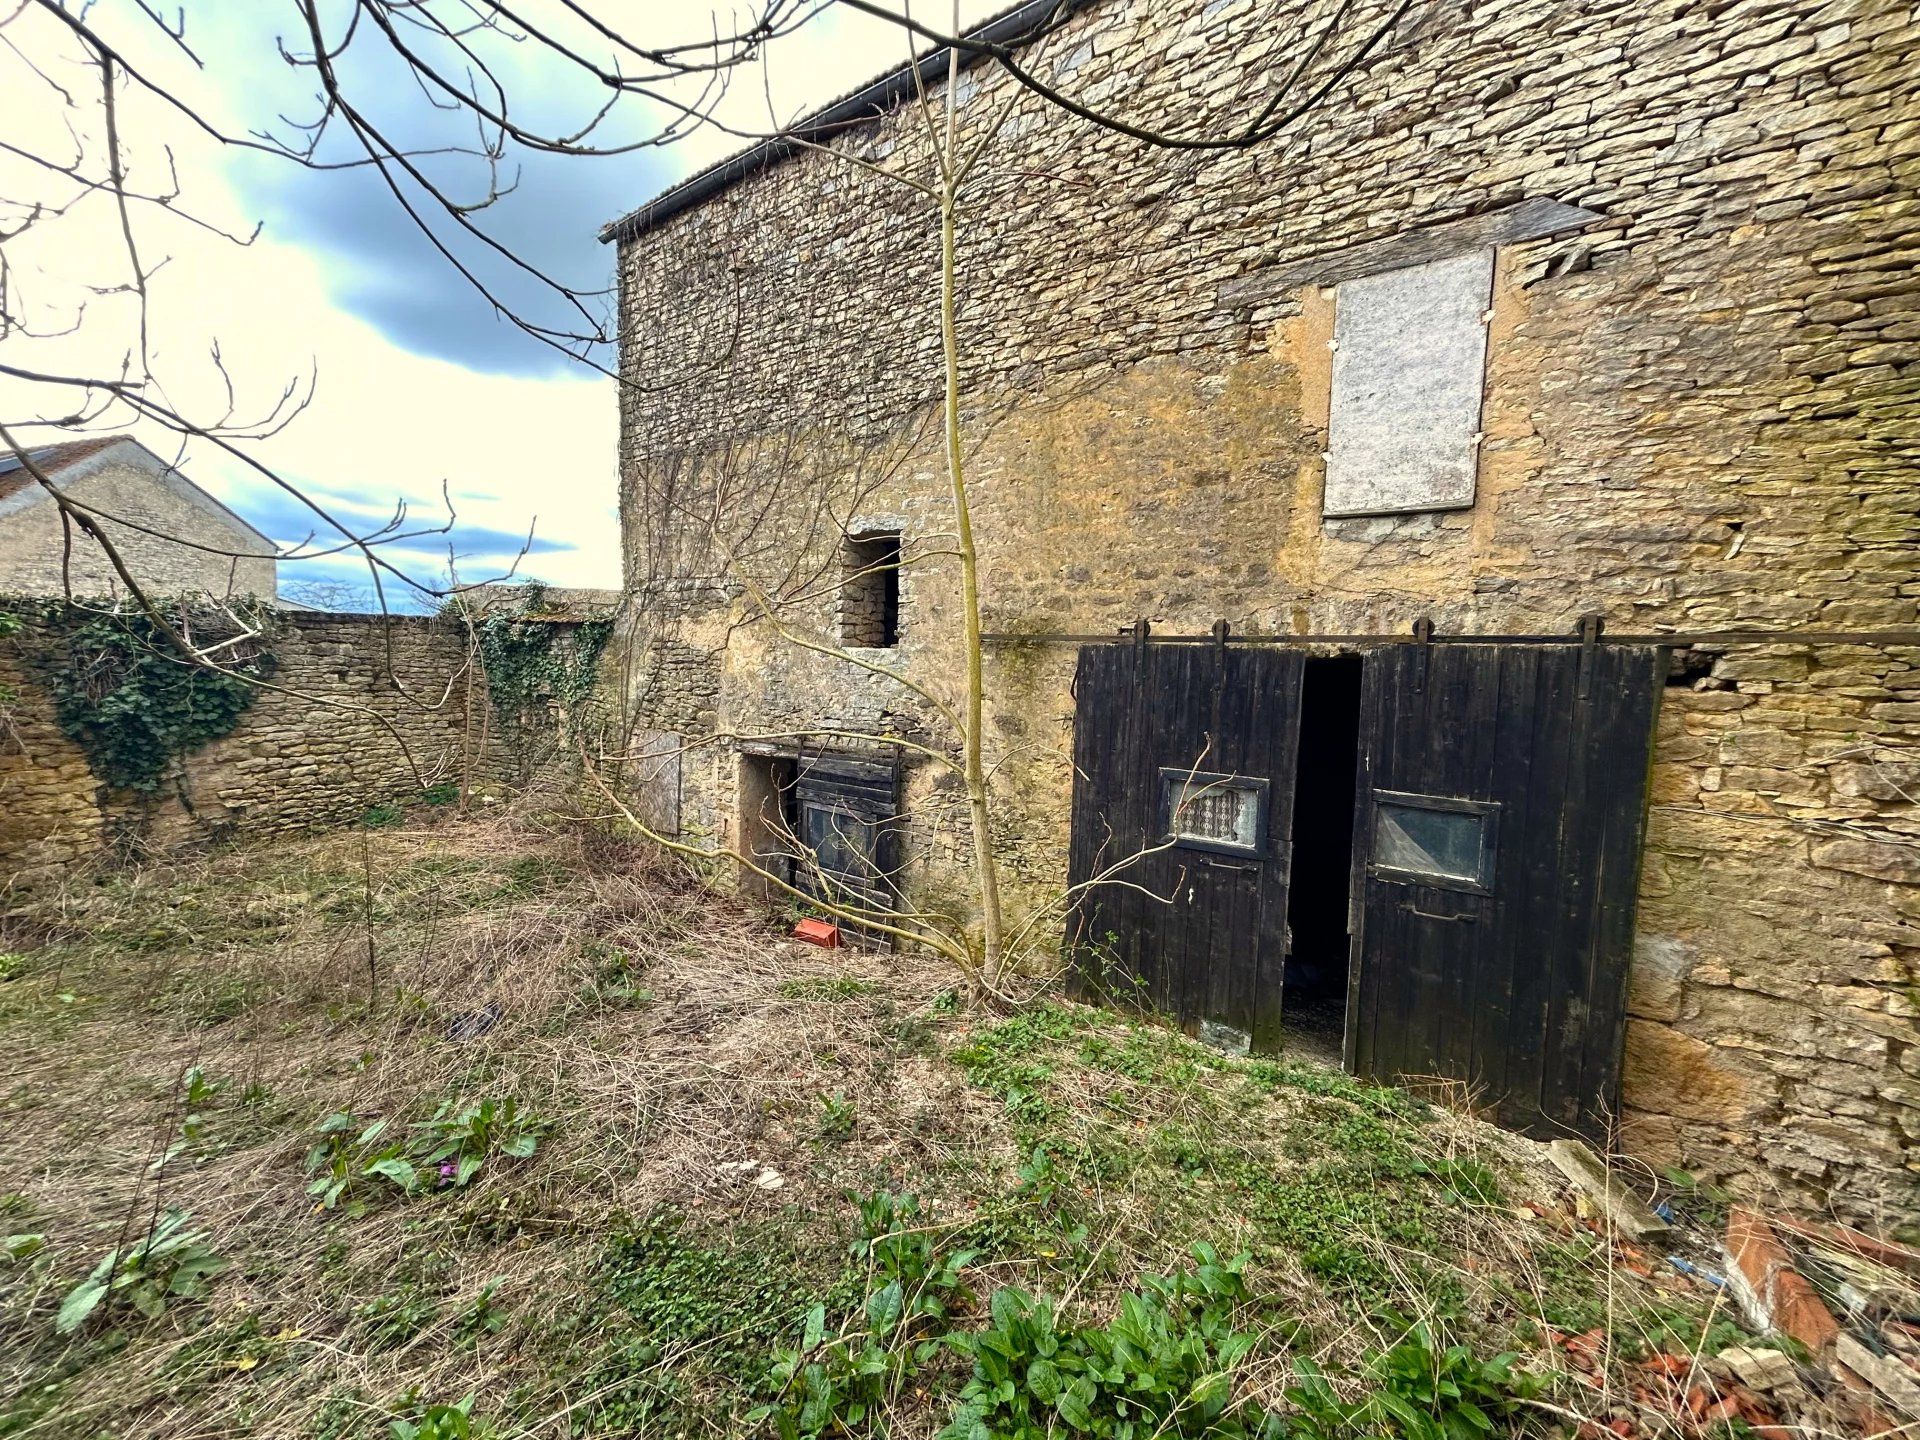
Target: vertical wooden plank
[1104,696]
[1385,685]
[1260,733]
[1537,903]
[1192,936]
[1628,691]
[1455,704]
[1162,933]
[1235,945]
[1473,733]
[1362,993]
[1134,914]
[1275,726]
[1570,926]
[1509,779]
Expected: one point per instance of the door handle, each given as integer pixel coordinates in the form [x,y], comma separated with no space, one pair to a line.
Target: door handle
[1413,909]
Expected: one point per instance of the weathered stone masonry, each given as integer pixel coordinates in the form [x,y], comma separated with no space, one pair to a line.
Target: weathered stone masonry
[1701,411]
[313,757]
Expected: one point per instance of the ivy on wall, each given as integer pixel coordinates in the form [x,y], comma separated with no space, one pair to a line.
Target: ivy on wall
[9,625]
[533,664]
[125,697]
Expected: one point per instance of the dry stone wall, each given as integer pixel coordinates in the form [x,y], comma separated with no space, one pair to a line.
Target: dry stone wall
[366,712]
[1702,410]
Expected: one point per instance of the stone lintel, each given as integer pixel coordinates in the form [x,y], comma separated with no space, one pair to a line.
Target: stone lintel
[1535,219]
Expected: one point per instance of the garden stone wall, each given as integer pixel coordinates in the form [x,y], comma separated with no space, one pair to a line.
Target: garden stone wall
[355,697]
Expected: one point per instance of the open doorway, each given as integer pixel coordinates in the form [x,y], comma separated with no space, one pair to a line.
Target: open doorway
[828,826]
[1314,981]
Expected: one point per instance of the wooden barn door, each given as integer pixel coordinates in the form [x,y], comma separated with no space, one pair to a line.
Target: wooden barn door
[1496,857]
[1183,799]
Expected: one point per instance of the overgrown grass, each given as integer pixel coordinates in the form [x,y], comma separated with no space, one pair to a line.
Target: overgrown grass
[743,1186]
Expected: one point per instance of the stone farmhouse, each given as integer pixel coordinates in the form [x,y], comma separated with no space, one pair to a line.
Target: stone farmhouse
[175,538]
[1480,527]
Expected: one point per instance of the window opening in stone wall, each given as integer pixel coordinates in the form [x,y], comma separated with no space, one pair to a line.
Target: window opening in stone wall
[870,590]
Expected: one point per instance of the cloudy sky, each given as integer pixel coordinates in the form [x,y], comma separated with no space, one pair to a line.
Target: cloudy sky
[417,384]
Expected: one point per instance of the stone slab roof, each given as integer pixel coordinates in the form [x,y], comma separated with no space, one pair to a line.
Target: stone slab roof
[15,477]
[1020,24]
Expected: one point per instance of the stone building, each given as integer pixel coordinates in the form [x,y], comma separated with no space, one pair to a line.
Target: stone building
[1550,309]
[175,538]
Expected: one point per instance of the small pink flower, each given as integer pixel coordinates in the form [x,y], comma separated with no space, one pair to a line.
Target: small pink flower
[447,1172]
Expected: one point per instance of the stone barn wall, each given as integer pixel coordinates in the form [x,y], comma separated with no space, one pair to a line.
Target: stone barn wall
[1701,411]
[313,752]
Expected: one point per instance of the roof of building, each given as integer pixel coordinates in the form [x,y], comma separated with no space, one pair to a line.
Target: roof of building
[1017,25]
[15,477]
[16,480]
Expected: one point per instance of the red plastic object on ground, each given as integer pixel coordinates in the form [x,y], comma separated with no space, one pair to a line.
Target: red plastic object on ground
[818,932]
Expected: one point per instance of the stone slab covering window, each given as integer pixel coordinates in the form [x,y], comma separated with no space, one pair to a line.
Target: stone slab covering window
[1409,367]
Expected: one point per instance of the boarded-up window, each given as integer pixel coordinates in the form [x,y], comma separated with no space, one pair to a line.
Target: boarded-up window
[655,780]
[1409,365]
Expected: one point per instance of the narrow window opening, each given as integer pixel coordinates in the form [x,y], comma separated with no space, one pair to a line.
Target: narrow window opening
[1313,1006]
[870,590]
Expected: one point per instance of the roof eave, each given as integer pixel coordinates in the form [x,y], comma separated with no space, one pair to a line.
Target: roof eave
[1017,26]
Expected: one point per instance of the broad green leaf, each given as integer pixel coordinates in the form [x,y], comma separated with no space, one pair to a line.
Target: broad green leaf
[148,1301]
[1475,1416]
[398,1171]
[78,1305]
[1073,1409]
[1044,1381]
[884,1308]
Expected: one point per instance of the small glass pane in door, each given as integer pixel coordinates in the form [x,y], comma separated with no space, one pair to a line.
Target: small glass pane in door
[1434,838]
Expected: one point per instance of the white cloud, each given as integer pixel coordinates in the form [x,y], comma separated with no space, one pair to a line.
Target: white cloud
[386,425]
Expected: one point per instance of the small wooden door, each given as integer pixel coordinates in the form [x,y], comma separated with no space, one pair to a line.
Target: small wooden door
[845,818]
[1183,801]
[1496,858]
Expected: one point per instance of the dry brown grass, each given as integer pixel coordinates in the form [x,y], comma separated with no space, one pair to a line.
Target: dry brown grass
[253,967]
[669,1038]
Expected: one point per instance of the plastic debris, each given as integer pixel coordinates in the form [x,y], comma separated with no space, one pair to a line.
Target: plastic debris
[1688,1268]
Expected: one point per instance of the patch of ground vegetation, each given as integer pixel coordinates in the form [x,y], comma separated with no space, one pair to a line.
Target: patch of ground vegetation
[483,1128]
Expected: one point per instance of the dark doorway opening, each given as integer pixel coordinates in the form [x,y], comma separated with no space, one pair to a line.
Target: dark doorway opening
[1314,982]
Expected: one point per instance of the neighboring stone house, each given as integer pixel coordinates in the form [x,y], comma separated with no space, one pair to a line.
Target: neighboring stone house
[174,537]
[1554,309]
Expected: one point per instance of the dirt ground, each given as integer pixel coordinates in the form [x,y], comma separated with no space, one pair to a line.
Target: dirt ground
[633,1136]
